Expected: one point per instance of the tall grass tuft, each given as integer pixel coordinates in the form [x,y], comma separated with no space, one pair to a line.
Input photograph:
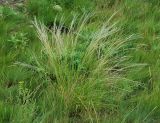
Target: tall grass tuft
[85,72]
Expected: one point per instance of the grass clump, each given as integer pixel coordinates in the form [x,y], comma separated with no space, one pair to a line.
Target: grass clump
[81,82]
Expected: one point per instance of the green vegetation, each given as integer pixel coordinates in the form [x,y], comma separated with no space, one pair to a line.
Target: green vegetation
[79,61]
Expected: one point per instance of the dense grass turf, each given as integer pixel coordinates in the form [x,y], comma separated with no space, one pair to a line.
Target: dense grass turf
[80,61]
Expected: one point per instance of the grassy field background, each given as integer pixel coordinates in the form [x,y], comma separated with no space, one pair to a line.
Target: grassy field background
[99,64]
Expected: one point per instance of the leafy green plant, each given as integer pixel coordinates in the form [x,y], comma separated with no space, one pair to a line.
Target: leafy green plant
[24,93]
[18,41]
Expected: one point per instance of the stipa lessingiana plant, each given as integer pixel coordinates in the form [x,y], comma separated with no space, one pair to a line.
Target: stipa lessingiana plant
[82,73]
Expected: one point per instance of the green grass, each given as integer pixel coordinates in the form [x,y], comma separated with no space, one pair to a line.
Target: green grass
[105,69]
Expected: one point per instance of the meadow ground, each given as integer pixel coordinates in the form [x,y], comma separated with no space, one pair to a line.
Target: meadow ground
[79,61]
